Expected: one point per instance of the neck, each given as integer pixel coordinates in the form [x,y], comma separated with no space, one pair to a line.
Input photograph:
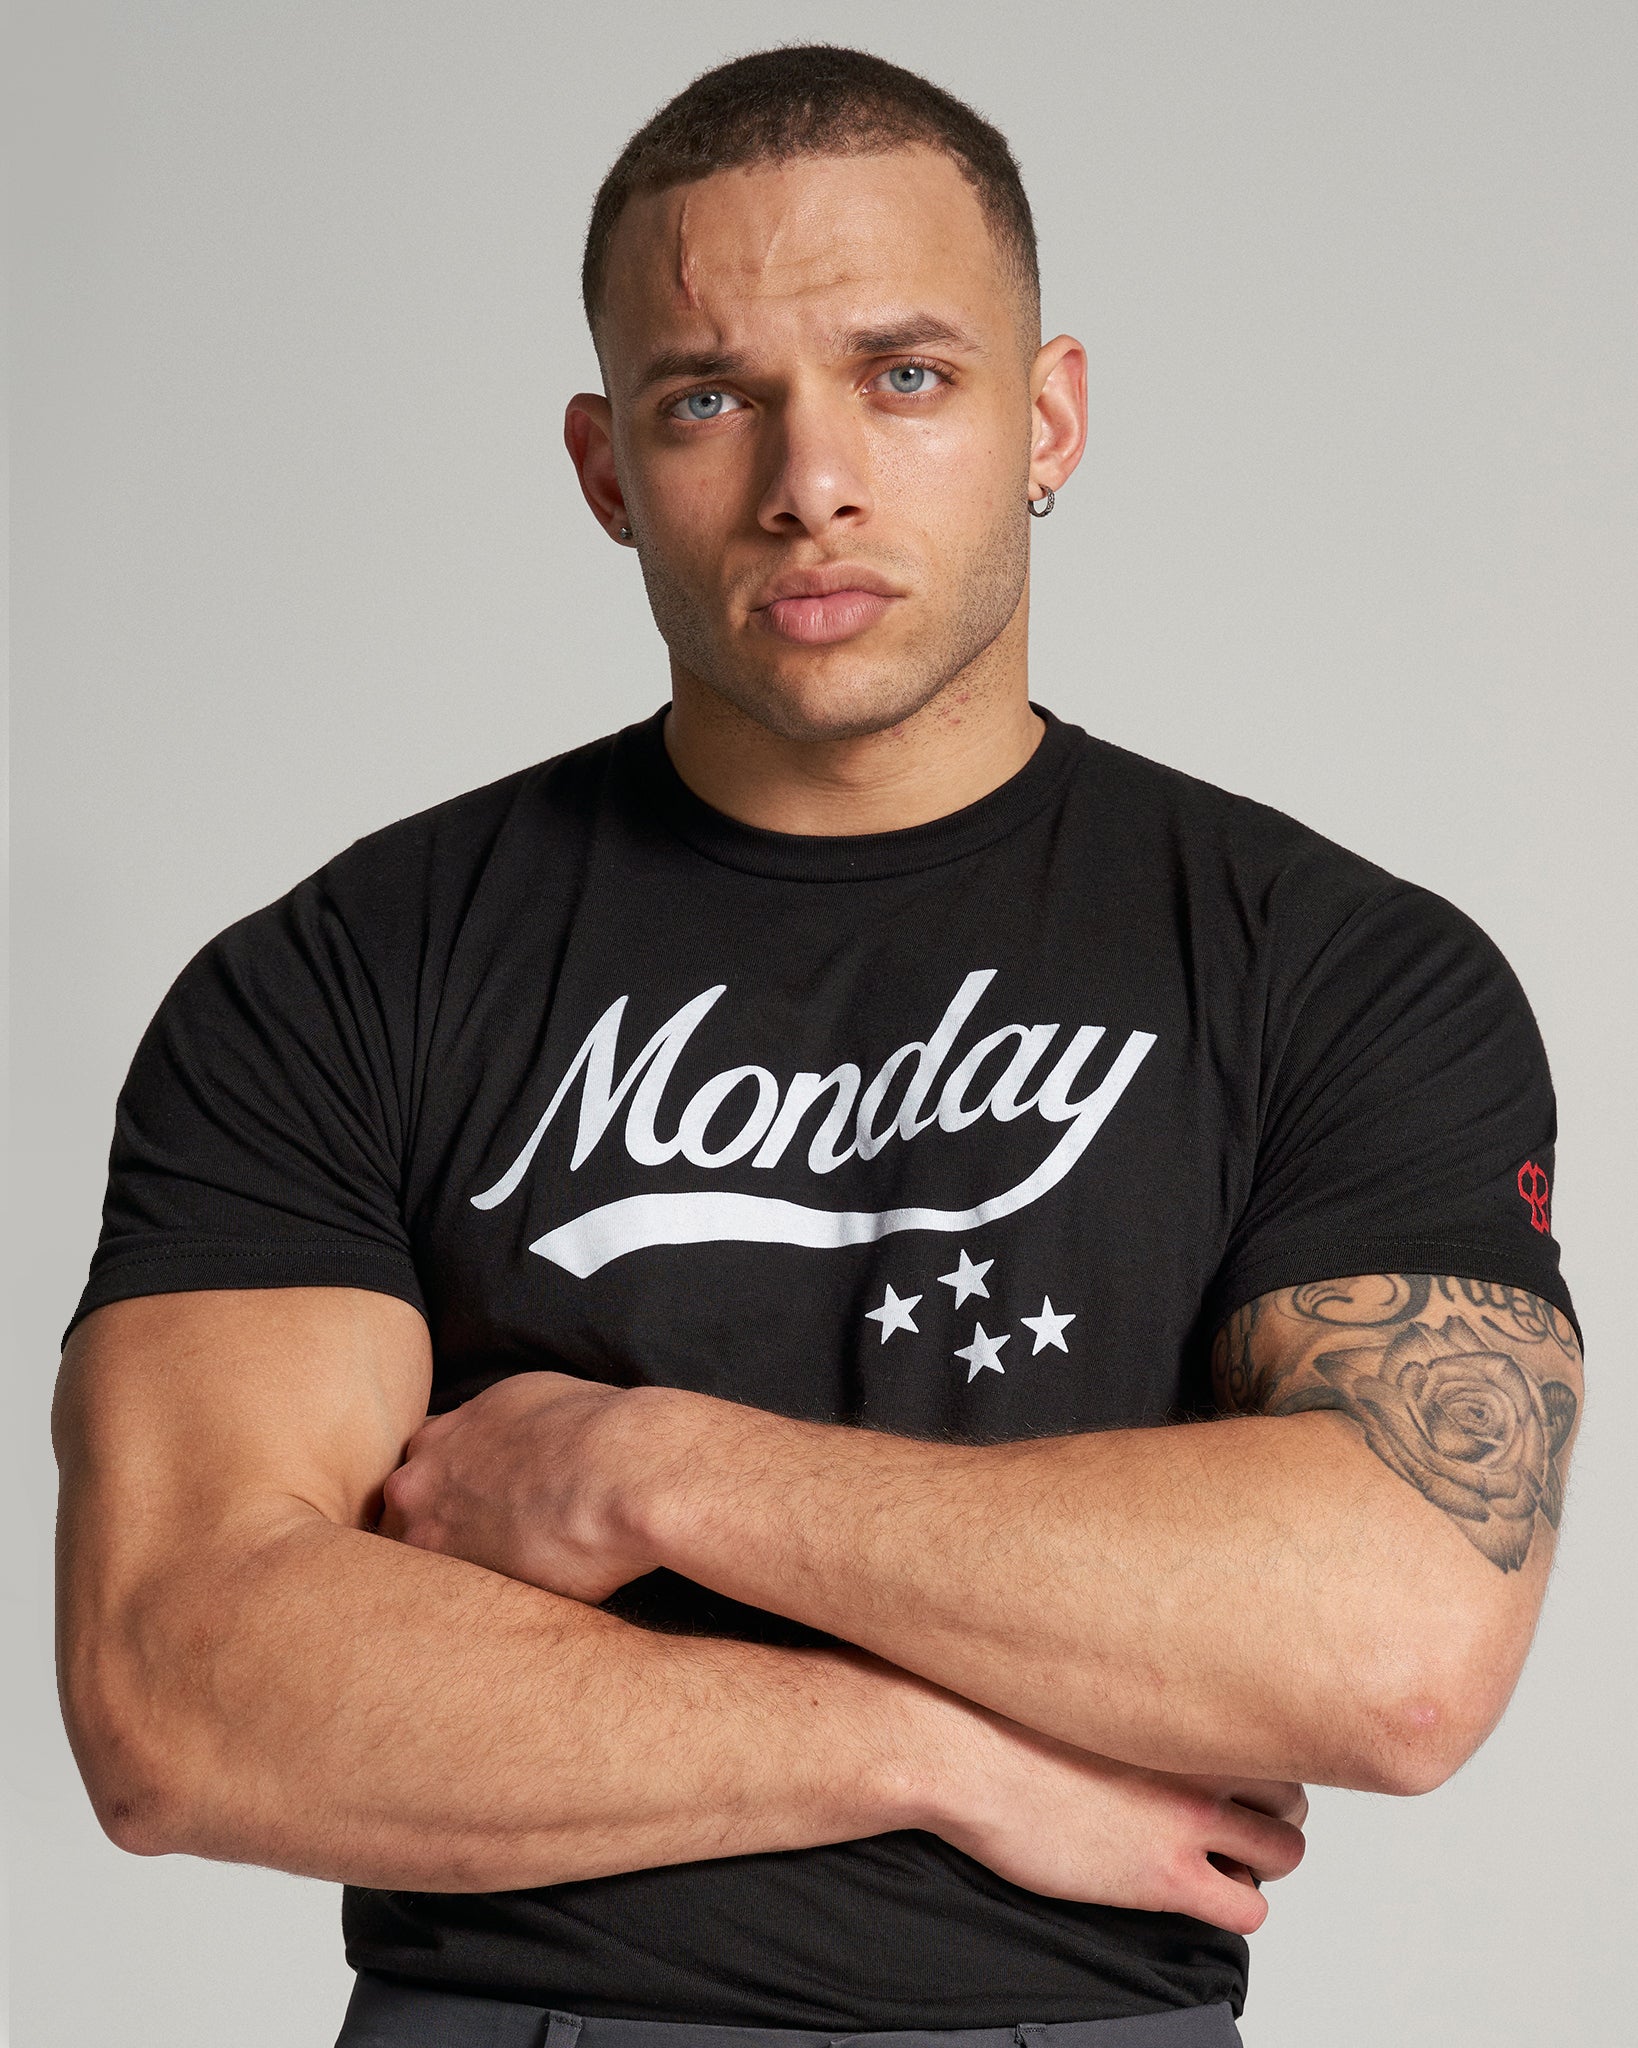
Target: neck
[969,739]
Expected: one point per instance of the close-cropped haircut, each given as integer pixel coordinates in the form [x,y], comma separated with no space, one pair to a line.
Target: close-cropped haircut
[812,99]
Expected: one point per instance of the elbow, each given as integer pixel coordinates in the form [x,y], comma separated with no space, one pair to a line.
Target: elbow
[136,1820]
[1422,1724]
[128,1756]
[1410,1749]
[138,1804]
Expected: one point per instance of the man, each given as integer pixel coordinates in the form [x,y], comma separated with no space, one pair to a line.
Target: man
[810,1153]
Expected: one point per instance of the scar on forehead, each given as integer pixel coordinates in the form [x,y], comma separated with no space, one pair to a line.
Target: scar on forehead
[688,262]
[685,258]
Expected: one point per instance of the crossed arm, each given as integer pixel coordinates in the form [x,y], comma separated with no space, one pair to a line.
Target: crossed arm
[1262,1595]
[1080,1659]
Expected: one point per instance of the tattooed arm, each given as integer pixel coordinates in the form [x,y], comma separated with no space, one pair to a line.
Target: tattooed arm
[1260,1594]
[1470,1391]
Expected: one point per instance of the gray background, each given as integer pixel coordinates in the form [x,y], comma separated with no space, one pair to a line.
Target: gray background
[299,552]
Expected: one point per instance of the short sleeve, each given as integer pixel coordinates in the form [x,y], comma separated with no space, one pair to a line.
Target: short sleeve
[1407,1121]
[259,1136]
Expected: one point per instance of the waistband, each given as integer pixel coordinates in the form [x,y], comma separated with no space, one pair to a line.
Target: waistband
[384,2014]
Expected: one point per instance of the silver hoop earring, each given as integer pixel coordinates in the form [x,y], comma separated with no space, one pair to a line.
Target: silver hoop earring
[625,533]
[1040,507]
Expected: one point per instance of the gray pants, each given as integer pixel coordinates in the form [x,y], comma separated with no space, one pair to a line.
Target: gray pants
[382,2014]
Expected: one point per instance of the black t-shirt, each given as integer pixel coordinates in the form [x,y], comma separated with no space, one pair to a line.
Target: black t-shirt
[972,1131]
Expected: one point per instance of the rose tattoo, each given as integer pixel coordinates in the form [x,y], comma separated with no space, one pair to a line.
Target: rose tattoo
[1462,1422]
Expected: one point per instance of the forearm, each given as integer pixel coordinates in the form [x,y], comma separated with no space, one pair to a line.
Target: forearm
[1340,1588]
[1254,1595]
[322,1700]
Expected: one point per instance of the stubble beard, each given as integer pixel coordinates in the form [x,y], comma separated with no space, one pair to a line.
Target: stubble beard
[868,695]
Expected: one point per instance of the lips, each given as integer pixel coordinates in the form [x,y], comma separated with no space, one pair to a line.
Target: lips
[815,607]
[816,621]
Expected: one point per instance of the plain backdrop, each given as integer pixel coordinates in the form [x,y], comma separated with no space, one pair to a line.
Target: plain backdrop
[299,552]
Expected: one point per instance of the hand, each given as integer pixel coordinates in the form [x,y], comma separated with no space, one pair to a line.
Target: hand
[1073,1825]
[525,1478]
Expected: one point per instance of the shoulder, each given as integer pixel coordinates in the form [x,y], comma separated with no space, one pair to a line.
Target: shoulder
[375,929]
[540,807]
[407,886]
[1211,824]
[1277,883]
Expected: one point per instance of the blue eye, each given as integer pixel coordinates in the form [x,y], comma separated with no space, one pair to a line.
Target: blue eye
[703,405]
[910,379]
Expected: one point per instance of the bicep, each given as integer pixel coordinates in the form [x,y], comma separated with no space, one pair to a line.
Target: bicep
[1468,1390]
[176,1413]
[199,1435]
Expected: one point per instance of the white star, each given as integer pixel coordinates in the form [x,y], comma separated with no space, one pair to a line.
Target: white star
[967,1279]
[894,1313]
[983,1352]
[1048,1328]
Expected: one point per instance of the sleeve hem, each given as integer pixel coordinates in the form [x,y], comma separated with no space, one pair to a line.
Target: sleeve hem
[201,1264]
[1338,1258]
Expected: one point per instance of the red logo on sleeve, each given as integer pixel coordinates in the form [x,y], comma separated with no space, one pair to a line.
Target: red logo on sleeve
[1534,1189]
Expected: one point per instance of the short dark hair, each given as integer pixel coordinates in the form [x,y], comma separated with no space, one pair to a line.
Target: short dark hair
[811,99]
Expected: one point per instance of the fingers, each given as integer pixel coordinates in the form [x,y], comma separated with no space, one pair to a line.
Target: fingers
[1231,1903]
[1219,1879]
[1268,1847]
[436,1426]
[403,1498]
[1263,1795]
[1273,1796]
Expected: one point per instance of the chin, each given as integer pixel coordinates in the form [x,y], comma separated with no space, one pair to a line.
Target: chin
[833,705]
[845,714]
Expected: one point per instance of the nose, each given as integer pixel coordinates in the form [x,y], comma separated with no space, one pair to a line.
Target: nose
[820,470]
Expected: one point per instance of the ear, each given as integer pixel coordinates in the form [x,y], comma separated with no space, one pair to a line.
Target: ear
[588,434]
[1057,388]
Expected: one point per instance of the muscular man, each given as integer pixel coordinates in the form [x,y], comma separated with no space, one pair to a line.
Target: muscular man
[987,1308]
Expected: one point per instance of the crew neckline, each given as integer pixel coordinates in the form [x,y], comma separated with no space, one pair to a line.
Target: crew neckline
[850,857]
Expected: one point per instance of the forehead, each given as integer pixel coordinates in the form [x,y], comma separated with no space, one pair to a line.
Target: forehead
[818,243]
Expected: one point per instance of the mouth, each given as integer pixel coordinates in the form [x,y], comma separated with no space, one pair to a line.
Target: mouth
[818,607]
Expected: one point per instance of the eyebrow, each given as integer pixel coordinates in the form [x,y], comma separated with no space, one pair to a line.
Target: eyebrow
[684,362]
[920,330]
